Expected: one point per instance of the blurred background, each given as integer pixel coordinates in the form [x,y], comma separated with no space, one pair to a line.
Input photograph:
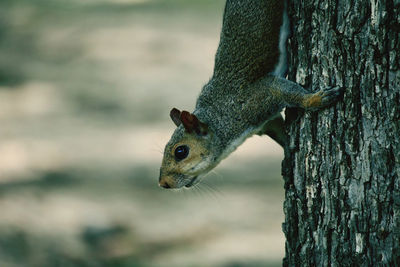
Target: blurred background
[86,87]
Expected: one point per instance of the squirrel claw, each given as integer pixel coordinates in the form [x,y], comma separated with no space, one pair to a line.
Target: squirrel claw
[331,95]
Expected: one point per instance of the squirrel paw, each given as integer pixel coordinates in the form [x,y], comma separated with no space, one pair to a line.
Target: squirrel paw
[323,98]
[331,95]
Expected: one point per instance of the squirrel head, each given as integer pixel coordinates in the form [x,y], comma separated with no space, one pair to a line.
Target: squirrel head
[188,154]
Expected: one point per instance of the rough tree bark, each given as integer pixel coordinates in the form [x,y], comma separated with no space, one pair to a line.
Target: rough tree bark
[342,166]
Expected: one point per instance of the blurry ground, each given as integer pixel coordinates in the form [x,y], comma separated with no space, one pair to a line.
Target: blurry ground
[85,92]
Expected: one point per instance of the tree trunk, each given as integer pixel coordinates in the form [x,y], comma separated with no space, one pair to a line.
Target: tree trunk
[342,166]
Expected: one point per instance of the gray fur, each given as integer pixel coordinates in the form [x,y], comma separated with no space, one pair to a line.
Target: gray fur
[249,49]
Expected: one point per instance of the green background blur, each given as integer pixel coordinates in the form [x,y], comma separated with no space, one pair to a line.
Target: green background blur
[85,92]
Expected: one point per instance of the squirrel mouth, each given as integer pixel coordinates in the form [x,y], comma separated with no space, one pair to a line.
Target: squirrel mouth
[191,182]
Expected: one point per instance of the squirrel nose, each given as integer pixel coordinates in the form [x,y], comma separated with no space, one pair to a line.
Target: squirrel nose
[166,183]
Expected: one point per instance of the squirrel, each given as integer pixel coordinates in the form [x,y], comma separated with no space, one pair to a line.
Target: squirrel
[244,96]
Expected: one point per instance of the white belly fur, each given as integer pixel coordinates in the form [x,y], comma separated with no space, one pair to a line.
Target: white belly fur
[282,66]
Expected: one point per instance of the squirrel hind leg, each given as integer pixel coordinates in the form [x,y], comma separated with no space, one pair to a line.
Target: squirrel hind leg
[275,129]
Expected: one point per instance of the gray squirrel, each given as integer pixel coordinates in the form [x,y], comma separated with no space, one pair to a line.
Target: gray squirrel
[244,96]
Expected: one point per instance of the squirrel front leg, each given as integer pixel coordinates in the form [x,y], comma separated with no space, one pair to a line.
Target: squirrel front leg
[286,93]
[293,95]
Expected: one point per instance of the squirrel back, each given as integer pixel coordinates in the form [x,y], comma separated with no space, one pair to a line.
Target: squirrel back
[249,42]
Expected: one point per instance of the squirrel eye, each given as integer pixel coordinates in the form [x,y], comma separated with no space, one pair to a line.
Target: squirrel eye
[181,152]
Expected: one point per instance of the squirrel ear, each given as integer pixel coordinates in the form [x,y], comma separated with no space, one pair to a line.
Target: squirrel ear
[188,120]
[175,115]
[191,123]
